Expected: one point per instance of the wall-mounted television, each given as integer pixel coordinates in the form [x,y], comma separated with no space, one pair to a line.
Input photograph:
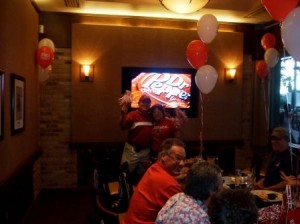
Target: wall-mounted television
[170,87]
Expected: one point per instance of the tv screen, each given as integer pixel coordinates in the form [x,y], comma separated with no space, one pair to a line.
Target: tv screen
[170,87]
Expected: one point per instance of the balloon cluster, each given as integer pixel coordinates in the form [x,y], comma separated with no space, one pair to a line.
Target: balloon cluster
[45,57]
[197,53]
[288,14]
[271,55]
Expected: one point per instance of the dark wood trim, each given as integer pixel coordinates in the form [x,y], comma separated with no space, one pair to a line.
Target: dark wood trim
[193,143]
[16,192]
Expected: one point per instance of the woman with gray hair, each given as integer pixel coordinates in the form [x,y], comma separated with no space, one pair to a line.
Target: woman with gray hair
[203,181]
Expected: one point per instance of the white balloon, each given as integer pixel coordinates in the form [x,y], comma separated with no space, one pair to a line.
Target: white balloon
[44,73]
[271,57]
[206,78]
[47,43]
[207,28]
[290,33]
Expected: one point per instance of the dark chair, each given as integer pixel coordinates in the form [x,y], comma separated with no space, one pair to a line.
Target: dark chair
[108,205]
[125,190]
[106,216]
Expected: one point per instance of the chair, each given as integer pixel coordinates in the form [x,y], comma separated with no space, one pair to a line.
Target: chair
[108,205]
[106,216]
[125,190]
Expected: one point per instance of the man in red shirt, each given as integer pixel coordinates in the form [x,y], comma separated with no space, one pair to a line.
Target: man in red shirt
[137,147]
[158,184]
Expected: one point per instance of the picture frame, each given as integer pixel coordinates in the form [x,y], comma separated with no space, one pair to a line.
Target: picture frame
[1,104]
[17,103]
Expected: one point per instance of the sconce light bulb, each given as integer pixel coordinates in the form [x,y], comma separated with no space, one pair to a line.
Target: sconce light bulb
[232,72]
[86,70]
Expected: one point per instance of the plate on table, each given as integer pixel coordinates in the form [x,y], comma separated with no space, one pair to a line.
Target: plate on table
[264,195]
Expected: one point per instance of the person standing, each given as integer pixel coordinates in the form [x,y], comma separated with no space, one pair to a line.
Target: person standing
[163,128]
[203,181]
[158,184]
[137,146]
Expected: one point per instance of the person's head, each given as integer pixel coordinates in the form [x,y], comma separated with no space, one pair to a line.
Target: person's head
[279,139]
[144,102]
[157,112]
[203,180]
[233,206]
[172,155]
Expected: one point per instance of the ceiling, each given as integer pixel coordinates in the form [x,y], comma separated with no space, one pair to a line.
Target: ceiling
[226,11]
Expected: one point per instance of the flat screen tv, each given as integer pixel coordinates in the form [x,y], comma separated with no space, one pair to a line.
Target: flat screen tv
[170,87]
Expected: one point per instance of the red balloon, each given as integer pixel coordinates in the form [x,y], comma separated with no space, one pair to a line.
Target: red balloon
[196,53]
[45,56]
[268,41]
[261,69]
[279,9]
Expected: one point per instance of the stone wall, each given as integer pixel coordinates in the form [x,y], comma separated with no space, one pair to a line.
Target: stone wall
[58,165]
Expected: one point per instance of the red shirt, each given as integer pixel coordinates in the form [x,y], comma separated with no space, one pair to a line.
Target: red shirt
[161,131]
[139,128]
[152,192]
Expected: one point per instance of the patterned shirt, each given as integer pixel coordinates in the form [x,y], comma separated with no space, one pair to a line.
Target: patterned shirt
[182,209]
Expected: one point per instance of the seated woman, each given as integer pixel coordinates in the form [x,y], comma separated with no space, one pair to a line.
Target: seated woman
[233,207]
[203,181]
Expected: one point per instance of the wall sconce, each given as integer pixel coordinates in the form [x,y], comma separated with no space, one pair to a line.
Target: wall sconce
[230,74]
[86,73]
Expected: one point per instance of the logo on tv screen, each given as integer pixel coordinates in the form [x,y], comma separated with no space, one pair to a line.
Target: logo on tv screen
[173,90]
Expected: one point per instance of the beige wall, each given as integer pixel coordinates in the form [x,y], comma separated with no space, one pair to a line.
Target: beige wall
[95,109]
[18,43]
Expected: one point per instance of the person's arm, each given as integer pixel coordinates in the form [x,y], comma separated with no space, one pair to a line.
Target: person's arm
[124,111]
[277,187]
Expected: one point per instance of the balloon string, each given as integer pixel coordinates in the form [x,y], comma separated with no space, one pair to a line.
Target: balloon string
[265,103]
[288,108]
[201,127]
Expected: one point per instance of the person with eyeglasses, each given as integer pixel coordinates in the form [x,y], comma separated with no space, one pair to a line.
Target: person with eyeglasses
[158,184]
[281,161]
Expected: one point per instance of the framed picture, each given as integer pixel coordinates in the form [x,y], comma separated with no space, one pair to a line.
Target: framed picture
[1,104]
[17,104]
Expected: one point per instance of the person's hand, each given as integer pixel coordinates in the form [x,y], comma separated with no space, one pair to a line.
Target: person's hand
[290,180]
[125,102]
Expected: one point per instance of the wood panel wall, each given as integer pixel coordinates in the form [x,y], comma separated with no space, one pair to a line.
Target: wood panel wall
[95,110]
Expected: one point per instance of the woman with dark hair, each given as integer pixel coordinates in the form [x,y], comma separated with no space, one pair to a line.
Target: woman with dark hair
[203,181]
[163,128]
[233,207]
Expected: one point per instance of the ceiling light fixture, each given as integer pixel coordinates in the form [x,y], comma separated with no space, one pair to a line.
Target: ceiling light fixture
[183,6]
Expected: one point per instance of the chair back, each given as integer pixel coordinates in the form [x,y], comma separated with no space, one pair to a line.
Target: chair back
[106,216]
[126,187]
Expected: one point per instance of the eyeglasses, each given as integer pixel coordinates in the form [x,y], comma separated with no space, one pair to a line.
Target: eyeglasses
[176,158]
